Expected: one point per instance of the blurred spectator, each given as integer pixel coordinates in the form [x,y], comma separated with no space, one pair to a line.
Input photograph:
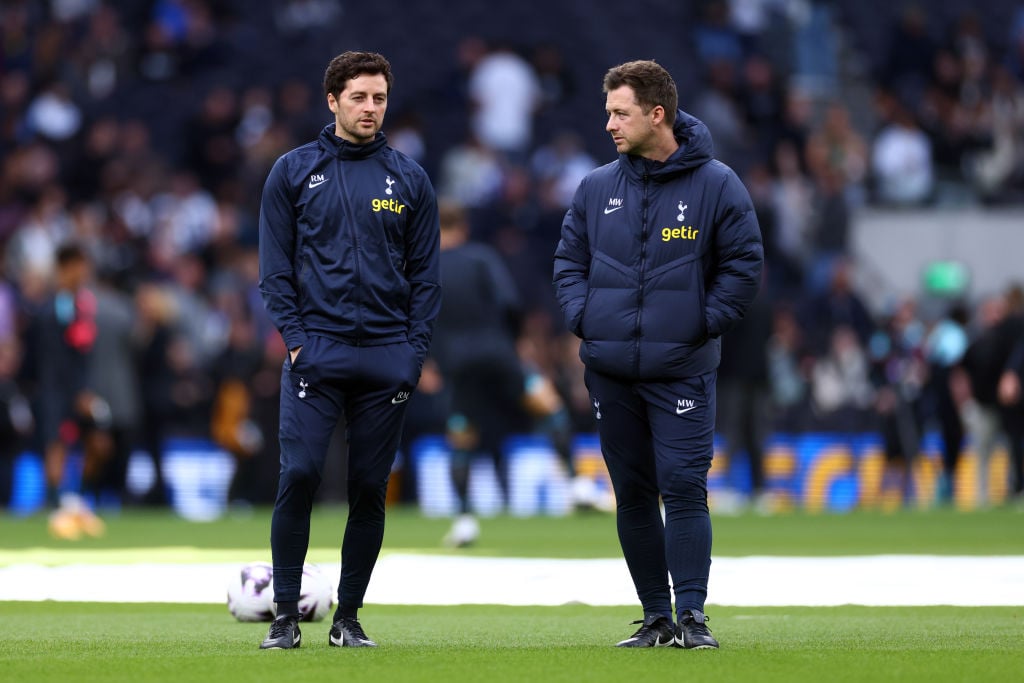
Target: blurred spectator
[714,38]
[474,346]
[908,65]
[719,105]
[788,373]
[838,306]
[53,115]
[792,202]
[744,393]
[553,75]
[837,154]
[559,166]
[841,389]
[303,15]
[406,135]
[112,376]
[761,99]
[214,154]
[901,157]
[471,174]
[16,420]
[1009,390]
[102,60]
[155,328]
[816,42]
[506,93]
[70,412]
[31,250]
[944,349]
[988,418]
[231,421]
[899,372]
[995,166]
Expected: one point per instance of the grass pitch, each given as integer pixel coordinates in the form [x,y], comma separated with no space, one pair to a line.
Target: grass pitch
[998,531]
[47,642]
[147,643]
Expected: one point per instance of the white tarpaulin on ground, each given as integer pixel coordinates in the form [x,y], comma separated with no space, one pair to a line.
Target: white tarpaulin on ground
[444,580]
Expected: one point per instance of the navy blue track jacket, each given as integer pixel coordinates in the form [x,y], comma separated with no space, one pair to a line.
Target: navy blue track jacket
[349,244]
[657,260]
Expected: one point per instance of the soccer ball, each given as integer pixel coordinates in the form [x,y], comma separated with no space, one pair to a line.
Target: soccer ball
[251,592]
[316,596]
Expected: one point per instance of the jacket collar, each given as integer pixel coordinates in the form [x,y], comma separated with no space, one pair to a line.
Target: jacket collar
[343,149]
[695,149]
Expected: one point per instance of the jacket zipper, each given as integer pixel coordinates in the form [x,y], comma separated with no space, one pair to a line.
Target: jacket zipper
[358,288]
[640,293]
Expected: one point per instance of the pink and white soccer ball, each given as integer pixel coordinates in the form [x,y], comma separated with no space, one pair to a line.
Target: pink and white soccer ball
[316,596]
[251,592]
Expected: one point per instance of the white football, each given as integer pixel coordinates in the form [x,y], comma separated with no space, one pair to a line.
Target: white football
[251,592]
[317,594]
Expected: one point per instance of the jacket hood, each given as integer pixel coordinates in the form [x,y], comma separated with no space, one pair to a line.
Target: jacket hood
[343,149]
[695,149]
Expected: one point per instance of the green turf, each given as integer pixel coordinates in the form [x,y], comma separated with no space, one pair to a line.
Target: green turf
[946,532]
[83,642]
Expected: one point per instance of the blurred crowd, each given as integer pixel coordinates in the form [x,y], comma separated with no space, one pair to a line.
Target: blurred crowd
[141,133]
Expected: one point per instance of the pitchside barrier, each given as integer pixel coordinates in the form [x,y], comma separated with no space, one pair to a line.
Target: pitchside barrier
[815,472]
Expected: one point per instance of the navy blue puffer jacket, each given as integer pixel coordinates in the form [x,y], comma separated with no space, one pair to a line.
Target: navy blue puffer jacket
[657,260]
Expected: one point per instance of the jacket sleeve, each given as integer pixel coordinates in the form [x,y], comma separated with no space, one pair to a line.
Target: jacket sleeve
[572,263]
[423,270]
[737,260]
[278,281]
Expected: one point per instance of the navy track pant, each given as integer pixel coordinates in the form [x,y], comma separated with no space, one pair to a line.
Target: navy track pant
[368,385]
[657,439]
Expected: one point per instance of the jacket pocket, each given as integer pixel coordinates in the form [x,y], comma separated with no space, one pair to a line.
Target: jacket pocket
[674,302]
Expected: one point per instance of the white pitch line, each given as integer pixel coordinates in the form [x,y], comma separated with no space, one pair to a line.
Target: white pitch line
[444,580]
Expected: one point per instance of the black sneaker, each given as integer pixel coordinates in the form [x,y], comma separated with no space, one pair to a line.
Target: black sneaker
[692,632]
[284,634]
[655,632]
[346,632]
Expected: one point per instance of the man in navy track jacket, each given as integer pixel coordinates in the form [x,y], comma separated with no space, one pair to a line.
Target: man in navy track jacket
[349,272]
[660,254]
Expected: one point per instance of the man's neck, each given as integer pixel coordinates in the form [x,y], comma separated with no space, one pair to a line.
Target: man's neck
[664,146]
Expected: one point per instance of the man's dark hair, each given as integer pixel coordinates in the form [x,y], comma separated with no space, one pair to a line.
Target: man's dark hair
[348,65]
[651,83]
[451,215]
[70,253]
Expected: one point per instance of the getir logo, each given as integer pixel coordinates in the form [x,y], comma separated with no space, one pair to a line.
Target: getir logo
[685,232]
[387,205]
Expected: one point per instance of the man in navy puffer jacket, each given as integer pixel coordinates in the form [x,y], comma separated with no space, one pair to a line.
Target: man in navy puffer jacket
[660,255]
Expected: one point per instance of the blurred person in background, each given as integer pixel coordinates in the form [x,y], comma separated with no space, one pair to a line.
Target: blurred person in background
[901,156]
[989,414]
[644,237]
[16,419]
[899,372]
[70,413]
[156,326]
[475,348]
[349,271]
[744,396]
[1011,397]
[112,375]
[944,348]
[505,93]
[841,390]
[789,369]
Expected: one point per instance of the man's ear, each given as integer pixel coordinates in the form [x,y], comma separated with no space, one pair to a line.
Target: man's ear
[657,114]
[332,103]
